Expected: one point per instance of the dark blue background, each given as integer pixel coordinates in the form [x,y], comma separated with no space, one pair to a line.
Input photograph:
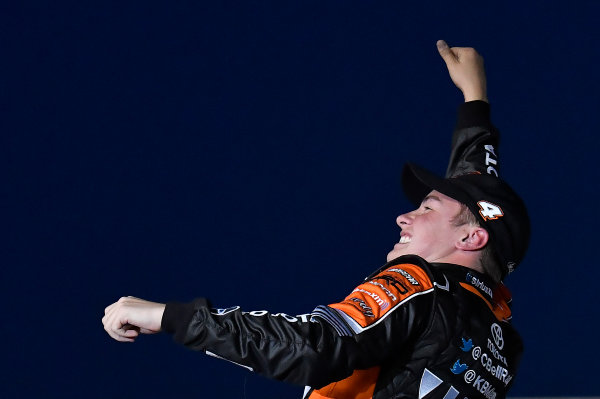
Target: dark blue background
[250,152]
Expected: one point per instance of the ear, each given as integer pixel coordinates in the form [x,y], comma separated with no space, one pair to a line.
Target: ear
[473,239]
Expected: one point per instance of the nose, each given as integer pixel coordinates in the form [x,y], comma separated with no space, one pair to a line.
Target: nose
[405,218]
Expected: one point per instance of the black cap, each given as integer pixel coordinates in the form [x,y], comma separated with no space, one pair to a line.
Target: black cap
[497,207]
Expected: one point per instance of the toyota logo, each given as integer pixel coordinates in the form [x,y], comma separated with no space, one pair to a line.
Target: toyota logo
[497,335]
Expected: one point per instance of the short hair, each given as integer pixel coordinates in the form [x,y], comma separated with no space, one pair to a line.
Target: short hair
[488,259]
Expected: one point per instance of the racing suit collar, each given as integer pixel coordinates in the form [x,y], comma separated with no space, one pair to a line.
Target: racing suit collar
[495,292]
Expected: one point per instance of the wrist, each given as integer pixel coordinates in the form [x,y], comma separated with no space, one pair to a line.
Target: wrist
[475,96]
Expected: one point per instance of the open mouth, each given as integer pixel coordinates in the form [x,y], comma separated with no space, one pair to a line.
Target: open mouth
[404,239]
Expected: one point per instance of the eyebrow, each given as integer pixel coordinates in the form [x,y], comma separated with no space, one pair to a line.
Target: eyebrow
[431,197]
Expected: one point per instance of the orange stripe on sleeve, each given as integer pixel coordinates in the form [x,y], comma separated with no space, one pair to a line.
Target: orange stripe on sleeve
[373,299]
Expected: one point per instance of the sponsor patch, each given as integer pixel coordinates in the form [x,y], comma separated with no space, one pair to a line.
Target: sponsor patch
[221,312]
[497,335]
[406,275]
[373,299]
[475,282]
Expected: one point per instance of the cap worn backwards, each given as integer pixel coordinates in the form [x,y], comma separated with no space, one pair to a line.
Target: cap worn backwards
[497,207]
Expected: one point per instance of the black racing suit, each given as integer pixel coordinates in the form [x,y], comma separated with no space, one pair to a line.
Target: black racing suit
[411,330]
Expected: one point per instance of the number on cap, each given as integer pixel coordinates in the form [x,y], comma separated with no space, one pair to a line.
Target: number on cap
[489,211]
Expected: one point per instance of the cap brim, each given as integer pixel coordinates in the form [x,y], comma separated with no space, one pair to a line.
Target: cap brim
[418,182]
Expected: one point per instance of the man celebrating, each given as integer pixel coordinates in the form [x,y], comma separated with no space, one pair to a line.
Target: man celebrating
[433,322]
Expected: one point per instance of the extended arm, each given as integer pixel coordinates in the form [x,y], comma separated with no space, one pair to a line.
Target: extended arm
[315,349]
[475,140]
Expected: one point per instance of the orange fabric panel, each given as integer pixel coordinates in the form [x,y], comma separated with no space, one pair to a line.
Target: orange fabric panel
[371,300]
[500,308]
[360,385]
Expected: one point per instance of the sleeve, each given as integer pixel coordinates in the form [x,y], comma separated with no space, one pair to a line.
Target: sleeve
[371,323]
[475,141]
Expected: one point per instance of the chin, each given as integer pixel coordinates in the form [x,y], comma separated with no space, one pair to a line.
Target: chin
[393,255]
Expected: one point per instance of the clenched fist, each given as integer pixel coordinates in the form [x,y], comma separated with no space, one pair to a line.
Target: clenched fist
[129,317]
[466,70]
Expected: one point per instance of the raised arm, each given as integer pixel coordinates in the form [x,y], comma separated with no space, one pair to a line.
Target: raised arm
[475,140]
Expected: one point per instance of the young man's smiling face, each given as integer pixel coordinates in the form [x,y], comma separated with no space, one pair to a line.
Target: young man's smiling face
[429,231]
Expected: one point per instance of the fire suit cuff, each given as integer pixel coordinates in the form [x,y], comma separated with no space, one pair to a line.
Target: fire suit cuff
[473,113]
[178,315]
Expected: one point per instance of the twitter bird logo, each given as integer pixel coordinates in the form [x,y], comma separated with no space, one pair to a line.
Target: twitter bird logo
[458,368]
[467,345]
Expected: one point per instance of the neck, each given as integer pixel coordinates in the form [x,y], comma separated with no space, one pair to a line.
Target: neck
[469,260]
